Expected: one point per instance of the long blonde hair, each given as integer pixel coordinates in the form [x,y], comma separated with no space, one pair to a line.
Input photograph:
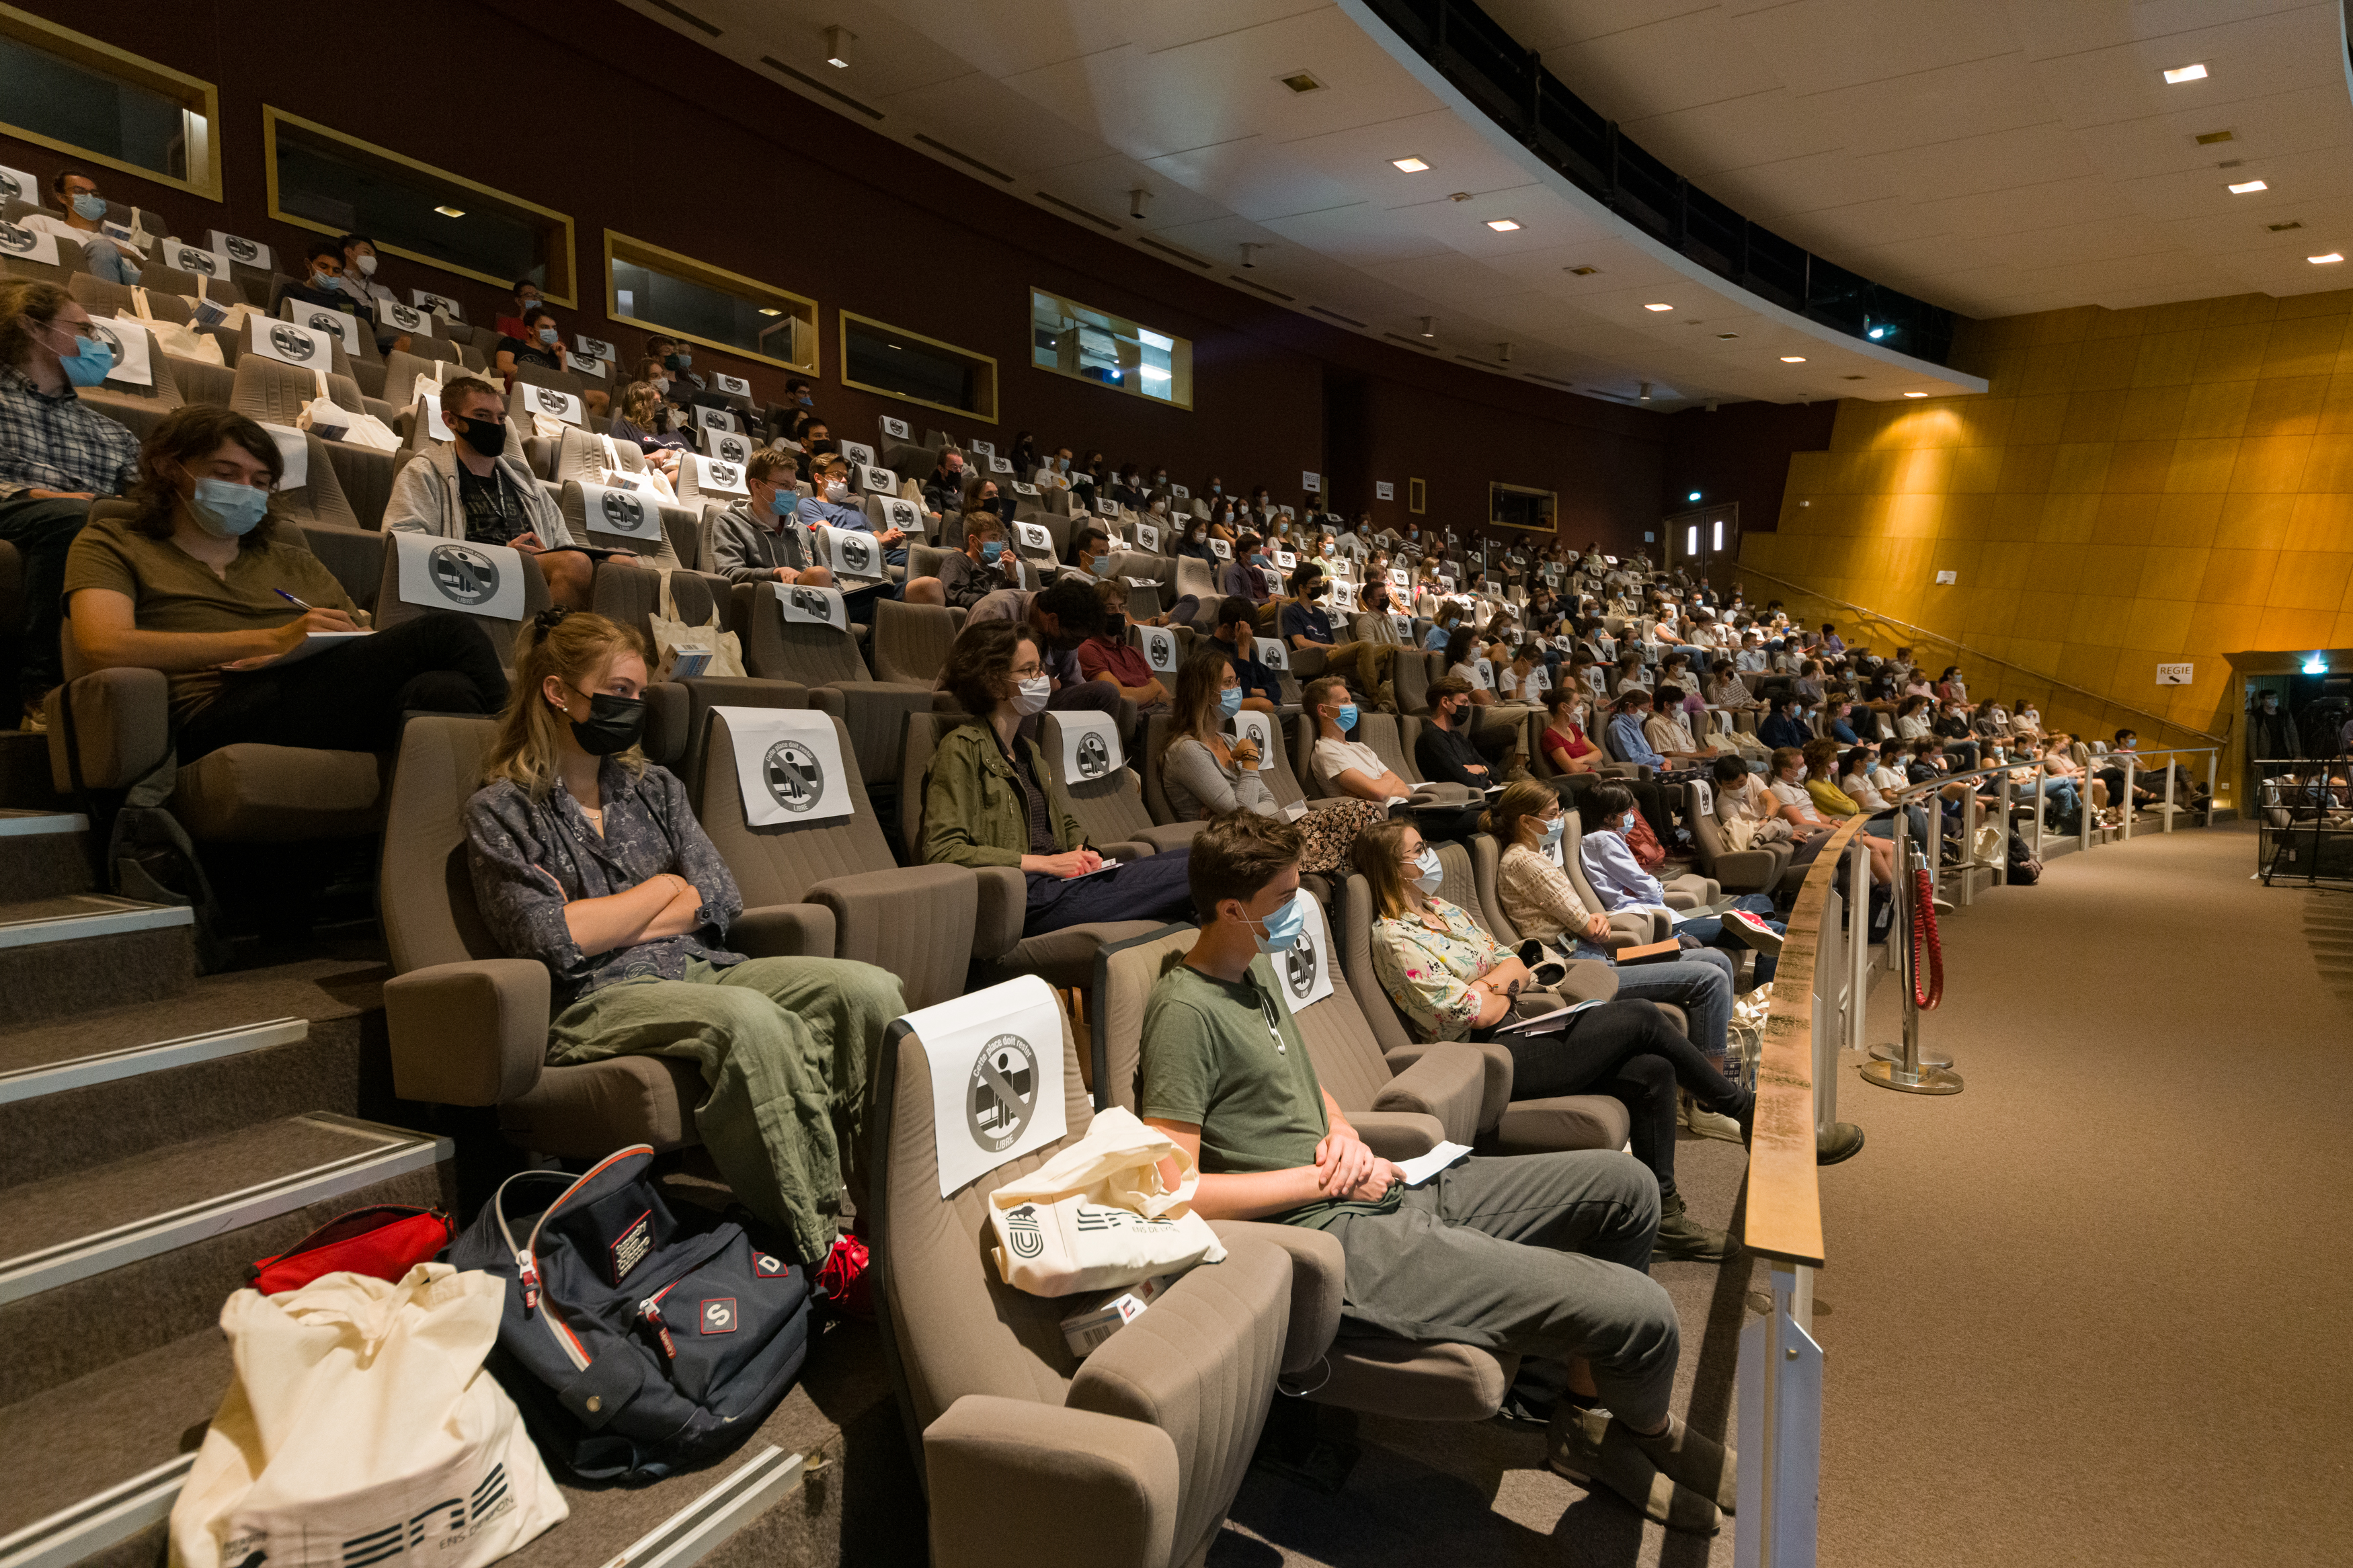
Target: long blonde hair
[576,648]
[1376,854]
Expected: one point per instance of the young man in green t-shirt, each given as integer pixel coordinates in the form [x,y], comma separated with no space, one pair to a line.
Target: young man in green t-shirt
[1540,1255]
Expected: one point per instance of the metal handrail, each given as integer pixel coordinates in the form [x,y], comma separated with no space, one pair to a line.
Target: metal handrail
[1923,633]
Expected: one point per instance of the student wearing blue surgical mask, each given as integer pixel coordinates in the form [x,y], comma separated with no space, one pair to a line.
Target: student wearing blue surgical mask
[541,344]
[963,579]
[754,540]
[81,217]
[59,453]
[321,282]
[1621,884]
[1209,765]
[192,583]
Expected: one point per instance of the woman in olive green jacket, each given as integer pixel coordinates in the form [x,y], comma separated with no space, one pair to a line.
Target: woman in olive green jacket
[990,799]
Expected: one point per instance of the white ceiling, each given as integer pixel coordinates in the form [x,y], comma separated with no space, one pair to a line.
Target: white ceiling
[1084,101]
[1993,157]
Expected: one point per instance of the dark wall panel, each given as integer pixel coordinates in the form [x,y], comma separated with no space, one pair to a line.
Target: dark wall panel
[1740,453]
[656,137]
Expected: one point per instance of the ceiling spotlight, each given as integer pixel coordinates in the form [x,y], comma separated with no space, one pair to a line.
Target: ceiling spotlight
[2213,137]
[1915,395]
[1135,200]
[772,310]
[837,47]
[2185,73]
[2245,187]
[1658,307]
[2325,260]
[1409,165]
[2317,665]
[450,211]
[1793,359]
[1503,225]
[1430,326]
[1875,333]
[1694,496]
[1720,336]
[1645,396]
[1249,249]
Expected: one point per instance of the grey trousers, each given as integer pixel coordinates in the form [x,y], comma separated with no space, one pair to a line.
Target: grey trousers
[1541,1255]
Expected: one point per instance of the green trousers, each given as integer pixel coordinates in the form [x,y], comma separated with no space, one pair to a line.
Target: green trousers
[788,1048]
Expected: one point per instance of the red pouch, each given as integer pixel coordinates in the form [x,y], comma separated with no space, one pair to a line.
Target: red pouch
[385,1242]
[843,1280]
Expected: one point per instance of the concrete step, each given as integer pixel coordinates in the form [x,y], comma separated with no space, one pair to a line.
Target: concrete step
[827,1479]
[248,1046]
[56,953]
[44,853]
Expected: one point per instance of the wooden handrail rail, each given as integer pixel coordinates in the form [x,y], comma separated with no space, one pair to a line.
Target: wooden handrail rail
[1785,1204]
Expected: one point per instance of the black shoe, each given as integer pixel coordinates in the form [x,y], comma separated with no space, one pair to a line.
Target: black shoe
[1842,1141]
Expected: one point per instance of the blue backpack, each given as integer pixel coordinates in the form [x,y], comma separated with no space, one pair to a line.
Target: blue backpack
[636,1342]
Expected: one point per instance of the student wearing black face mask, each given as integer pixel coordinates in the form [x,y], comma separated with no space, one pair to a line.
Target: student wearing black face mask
[1306,624]
[585,858]
[468,488]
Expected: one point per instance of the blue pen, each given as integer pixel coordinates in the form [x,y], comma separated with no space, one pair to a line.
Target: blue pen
[289,598]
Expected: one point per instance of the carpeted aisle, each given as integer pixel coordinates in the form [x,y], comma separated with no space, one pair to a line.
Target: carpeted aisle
[2094,1308]
[2092,1311]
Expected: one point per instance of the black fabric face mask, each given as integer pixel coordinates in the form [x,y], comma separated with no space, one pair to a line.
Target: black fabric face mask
[614,724]
[488,436]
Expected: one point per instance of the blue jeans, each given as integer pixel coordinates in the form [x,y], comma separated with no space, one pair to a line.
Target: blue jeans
[1700,983]
[1709,933]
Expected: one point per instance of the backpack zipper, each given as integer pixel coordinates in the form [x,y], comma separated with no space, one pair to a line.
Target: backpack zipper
[527,1255]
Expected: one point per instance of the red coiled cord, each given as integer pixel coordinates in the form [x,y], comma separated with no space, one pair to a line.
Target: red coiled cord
[1927,947]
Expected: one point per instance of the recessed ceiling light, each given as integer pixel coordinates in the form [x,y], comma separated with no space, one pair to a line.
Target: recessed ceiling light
[2246,188]
[1793,359]
[2325,260]
[450,211]
[1915,395]
[772,310]
[2284,227]
[1300,81]
[1503,225]
[1410,165]
[2185,73]
[1658,307]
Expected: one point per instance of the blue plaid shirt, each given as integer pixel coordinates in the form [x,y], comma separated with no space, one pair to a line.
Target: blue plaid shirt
[60,443]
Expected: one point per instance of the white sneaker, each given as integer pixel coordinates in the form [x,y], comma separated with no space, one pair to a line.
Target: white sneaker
[1712,1125]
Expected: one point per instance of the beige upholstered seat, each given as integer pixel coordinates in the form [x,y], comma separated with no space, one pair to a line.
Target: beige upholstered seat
[1400,1115]
[826,660]
[913,921]
[1110,808]
[1754,870]
[1030,1456]
[468,1024]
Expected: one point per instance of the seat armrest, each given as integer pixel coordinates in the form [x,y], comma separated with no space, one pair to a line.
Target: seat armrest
[1111,1483]
[1587,980]
[121,724]
[1319,1274]
[1172,835]
[784,931]
[1746,869]
[354,556]
[1124,851]
[1496,1088]
[1003,910]
[1448,1082]
[1398,1135]
[472,1033]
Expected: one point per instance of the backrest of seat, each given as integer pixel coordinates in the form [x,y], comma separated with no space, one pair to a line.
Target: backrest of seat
[924,560]
[1125,973]
[401,369]
[320,497]
[1393,742]
[925,732]
[910,642]
[1155,798]
[1486,879]
[1410,680]
[102,299]
[953,1326]
[425,889]
[1193,577]
[162,392]
[1572,855]
[390,609]
[581,456]
[527,374]
[1388,1025]
[573,501]
[778,649]
[1110,807]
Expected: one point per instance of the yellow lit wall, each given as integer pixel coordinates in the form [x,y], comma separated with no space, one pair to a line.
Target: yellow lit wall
[2137,486]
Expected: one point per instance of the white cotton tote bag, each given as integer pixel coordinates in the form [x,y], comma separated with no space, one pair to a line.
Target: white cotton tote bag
[360,1416]
[1096,1216]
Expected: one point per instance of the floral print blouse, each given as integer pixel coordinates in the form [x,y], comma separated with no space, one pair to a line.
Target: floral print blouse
[1427,973]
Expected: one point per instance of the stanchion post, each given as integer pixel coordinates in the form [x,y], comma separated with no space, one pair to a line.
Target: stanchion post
[1902,1065]
[2083,811]
[1858,968]
[2003,795]
[2039,776]
[1934,848]
[2213,757]
[1968,860]
[2128,812]
[2168,793]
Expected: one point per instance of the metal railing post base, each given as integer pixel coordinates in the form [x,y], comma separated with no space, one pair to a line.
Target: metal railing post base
[1928,1080]
[1893,1051]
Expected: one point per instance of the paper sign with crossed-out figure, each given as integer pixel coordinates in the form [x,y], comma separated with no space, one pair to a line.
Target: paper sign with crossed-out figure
[1107,508]
[1180,493]
[1024,488]
[851,553]
[238,249]
[553,402]
[732,386]
[1285,561]
[440,304]
[17,185]
[609,510]
[28,244]
[877,481]
[809,606]
[1091,749]
[1034,538]
[403,318]
[1158,645]
[902,515]
[192,258]
[1220,548]
[996,1077]
[857,453]
[588,365]
[982,448]
[595,348]
[729,448]
[895,429]
[436,573]
[1403,626]
[1305,971]
[1273,654]
[716,478]
[290,342]
[1344,597]
[334,323]
[1484,672]
[1259,727]
[126,339]
[1147,538]
[710,418]
[787,765]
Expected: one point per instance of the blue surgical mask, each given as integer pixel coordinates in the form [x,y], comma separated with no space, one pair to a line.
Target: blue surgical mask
[1230,700]
[784,502]
[1283,928]
[90,209]
[90,362]
[547,336]
[1345,718]
[679,361]
[1552,833]
[1626,822]
[990,550]
[326,282]
[226,509]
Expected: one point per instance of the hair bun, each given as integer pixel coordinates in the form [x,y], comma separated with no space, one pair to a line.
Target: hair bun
[548,619]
